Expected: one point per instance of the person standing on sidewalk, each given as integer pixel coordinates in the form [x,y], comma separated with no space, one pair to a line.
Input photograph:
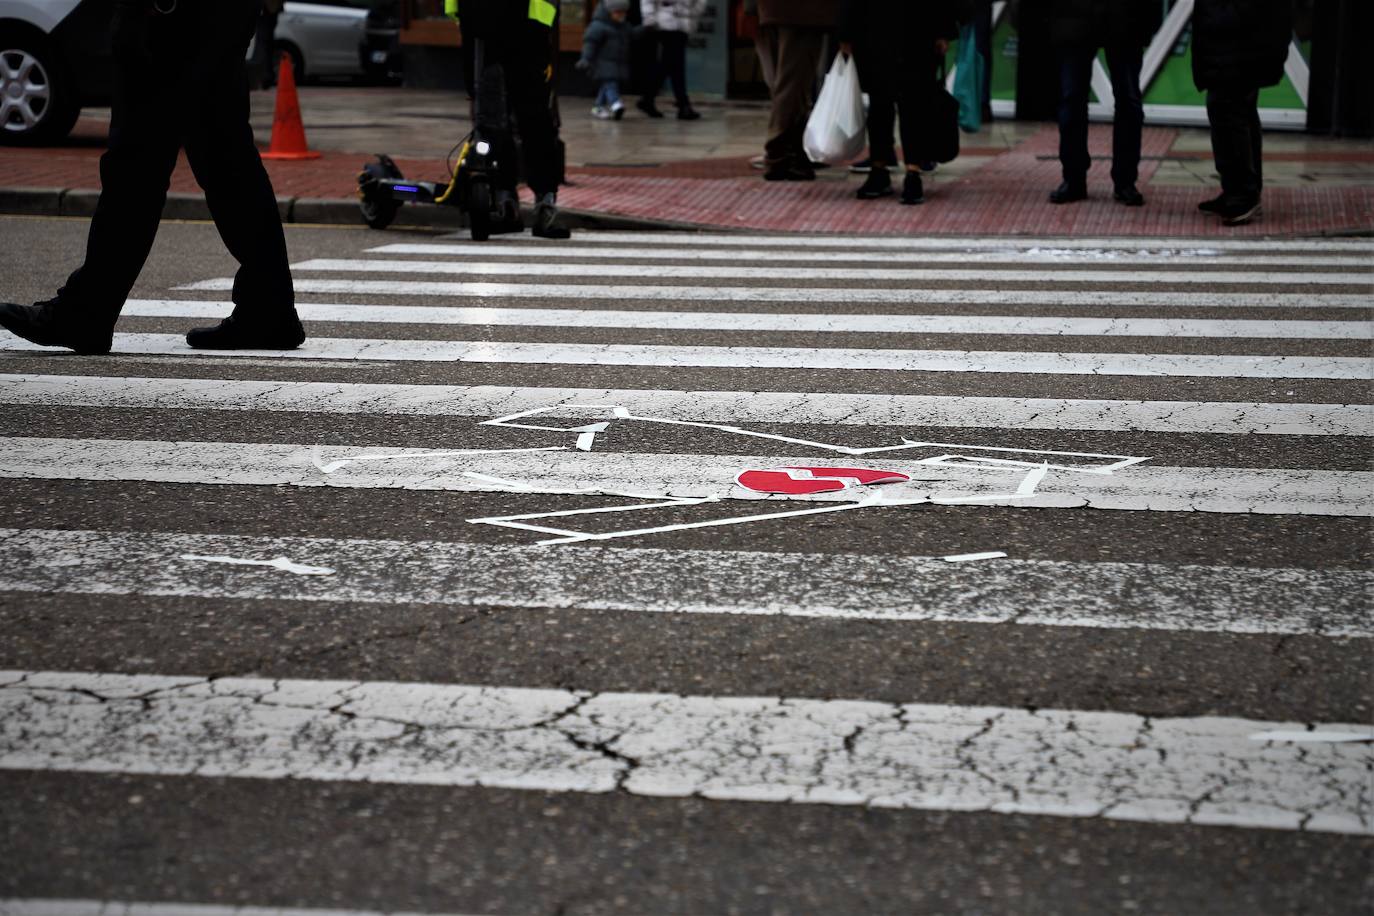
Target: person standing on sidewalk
[179,82]
[670,22]
[791,37]
[1239,47]
[606,56]
[1078,28]
[898,45]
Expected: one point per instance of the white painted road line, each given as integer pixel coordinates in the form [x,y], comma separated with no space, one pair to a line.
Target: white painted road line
[1142,487]
[1141,596]
[982,272]
[975,361]
[1108,245]
[756,321]
[483,401]
[1096,299]
[759,749]
[35,906]
[1176,258]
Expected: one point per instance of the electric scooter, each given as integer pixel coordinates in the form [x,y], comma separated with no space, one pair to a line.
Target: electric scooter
[478,184]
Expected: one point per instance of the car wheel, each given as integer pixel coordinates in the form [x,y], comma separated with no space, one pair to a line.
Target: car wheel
[37,101]
[297,61]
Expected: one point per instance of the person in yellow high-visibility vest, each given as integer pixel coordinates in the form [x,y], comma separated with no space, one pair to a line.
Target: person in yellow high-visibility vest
[517,36]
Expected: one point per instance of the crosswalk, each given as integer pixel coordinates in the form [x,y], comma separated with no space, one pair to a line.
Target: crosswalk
[1150,440]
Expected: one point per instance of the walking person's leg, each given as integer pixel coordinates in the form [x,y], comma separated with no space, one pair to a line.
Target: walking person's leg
[882,153]
[915,115]
[525,63]
[1128,123]
[797,51]
[1075,73]
[675,64]
[1232,112]
[238,192]
[135,171]
[655,74]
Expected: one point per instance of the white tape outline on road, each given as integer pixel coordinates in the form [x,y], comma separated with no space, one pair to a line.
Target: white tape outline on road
[1198,770]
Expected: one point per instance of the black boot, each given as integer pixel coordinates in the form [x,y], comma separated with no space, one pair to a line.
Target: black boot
[877,184]
[240,334]
[646,105]
[1128,195]
[545,224]
[49,325]
[913,191]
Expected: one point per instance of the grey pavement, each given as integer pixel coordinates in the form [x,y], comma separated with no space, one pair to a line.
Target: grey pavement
[93,823]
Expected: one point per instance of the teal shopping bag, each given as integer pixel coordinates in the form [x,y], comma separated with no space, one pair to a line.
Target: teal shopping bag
[969,77]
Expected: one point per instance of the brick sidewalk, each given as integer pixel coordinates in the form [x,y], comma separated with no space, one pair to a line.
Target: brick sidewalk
[990,191]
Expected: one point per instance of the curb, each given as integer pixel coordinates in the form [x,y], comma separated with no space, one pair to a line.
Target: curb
[304,211]
[80,202]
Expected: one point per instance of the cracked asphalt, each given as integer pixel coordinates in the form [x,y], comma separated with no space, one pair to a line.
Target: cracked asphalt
[743,719]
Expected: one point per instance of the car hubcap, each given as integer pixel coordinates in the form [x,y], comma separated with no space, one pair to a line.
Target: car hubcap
[24,91]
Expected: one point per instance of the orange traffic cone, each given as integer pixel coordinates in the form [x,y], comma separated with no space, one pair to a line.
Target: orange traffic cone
[288,133]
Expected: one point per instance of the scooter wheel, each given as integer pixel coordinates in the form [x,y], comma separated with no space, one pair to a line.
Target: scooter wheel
[377,206]
[479,211]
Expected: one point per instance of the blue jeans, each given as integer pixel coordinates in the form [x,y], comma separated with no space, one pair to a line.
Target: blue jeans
[608,96]
[1075,79]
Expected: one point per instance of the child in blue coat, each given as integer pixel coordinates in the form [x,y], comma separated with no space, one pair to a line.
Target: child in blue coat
[606,56]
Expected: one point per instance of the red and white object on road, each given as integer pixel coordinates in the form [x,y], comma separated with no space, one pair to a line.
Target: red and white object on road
[799,481]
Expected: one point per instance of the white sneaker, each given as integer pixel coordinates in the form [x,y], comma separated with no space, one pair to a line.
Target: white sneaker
[600,112]
[618,110]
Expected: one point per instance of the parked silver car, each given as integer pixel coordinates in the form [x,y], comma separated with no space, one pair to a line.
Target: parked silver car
[323,38]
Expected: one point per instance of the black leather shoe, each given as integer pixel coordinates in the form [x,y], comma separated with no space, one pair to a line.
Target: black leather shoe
[688,113]
[1068,193]
[877,184]
[44,324]
[1238,212]
[646,105]
[913,191]
[789,170]
[545,224]
[235,334]
[1215,205]
[1128,195]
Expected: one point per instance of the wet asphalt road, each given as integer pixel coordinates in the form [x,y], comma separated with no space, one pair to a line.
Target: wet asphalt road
[120,835]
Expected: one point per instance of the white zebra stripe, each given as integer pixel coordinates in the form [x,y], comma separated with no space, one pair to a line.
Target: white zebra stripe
[761,322]
[967,243]
[761,749]
[983,273]
[1165,489]
[1308,299]
[1239,418]
[972,361]
[1039,255]
[1140,596]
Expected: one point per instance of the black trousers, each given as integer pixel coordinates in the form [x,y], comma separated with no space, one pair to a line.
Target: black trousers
[911,99]
[180,83]
[1237,140]
[672,66]
[1075,80]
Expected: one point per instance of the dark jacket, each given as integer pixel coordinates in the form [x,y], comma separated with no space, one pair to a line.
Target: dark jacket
[606,47]
[1092,24]
[1241,43]
[894,40]
[816,14]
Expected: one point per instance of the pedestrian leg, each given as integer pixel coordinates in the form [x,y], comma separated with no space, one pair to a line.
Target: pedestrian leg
[1233,115]
[1075,73]
[1124,62]
[797,51]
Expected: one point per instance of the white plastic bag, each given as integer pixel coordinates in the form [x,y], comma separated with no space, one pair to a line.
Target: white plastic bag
[835,130]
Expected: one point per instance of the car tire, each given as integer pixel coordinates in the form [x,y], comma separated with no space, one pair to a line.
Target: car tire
[45,107]
[283,49]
